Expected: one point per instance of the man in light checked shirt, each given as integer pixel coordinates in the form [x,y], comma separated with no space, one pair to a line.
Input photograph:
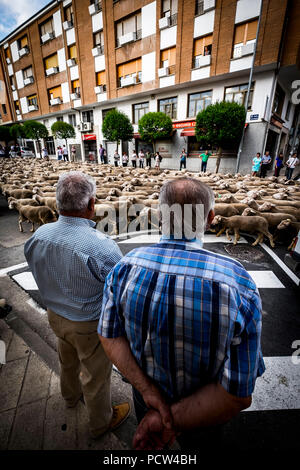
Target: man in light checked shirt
[185,321]
[69,260]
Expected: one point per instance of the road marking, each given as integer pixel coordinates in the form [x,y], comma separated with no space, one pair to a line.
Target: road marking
[283,266]
[279,387]
[36,306]
[266,280]
[26,280]
[146,238]
[4,271]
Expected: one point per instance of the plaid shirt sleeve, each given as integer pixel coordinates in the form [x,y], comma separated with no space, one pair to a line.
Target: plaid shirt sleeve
[244,362]
[111,321]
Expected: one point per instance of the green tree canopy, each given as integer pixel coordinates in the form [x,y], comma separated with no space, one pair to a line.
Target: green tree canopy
[63,130]
[36,131]
[117,126]
[17,131]
[5,134]
[154,126]
[220,125]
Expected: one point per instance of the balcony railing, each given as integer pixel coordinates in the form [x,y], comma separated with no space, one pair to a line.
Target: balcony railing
[95,7]
[202,6]
[100,89]
[167,21]
[98,50]
[129,37]
[130,80]
[241,51]
[201,61]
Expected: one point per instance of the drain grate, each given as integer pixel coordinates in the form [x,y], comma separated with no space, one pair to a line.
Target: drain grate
[245,253]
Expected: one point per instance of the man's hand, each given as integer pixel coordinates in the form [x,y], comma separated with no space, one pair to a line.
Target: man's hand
[154,399]
[151,433]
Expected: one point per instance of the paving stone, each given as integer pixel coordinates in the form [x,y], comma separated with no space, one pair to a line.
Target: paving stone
[6,421]
[36,382]
[17,349]
[54,384]
[11,379]
[60,425]
[6,333]
[27,433]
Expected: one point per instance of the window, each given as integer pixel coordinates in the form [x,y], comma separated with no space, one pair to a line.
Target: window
[27,72]
[105,111]
[168,59]
[32,100]
[46,122]
[4,109]
[245,32]
[199,7]
[12,81]
[22,42]
[238,94]
[47,27]
[98,39]
[54,92]
[198,102]
[278,101]
[17,105]
[68,14]
[101,79]
[202,47]
[72,119]
[130,69]
[7,53]
[88,116]
[138,110]
[72,52]
[51,61]
[170,8]
[129,25]
[59,118]
[169,107]
[76,87]
[288,111]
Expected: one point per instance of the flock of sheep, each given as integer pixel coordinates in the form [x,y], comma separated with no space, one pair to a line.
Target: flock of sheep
[267,207]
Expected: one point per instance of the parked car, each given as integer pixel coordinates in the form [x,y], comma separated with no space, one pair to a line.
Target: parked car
[26,152]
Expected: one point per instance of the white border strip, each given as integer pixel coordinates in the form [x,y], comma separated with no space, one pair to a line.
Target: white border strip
[4,271]
[282,264]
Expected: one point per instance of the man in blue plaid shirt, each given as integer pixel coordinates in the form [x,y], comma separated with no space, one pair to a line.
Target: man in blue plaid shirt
[183,324]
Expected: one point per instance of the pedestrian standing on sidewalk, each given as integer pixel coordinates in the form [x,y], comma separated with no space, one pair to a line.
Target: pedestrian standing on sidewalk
[141,158]
[59,153]
[116,158]
[134,159]
[70,260]
[44,152]
[157,160]
[124,159]
[278,164]
[256,164]
[101,154]
[73,153]
[291,163]
[265,161]
[183,156]
[204,157]
[148,158]
[65,154]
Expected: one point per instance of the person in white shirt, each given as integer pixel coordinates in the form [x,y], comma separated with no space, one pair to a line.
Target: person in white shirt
[65,154]
[141,158]
[44,152]
[124,159]
[157,160]
[291,163]
[116,158]
[134,159]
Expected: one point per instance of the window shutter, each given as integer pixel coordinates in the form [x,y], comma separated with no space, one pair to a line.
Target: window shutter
[198,47]
[239,34]
[56,92]
[24,41]
[101,78]
[251,30]
[51,61]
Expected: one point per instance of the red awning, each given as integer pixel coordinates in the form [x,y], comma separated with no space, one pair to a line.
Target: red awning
[89,137]
[188,132]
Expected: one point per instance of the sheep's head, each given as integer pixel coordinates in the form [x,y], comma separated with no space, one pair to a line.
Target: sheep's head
[217,220]
[248,211]
[284,224]
[266,207]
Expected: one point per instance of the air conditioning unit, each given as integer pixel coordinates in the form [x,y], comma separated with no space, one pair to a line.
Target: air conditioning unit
[75,96]
[47,37]
[163,72]
[127,81]
[67,25]
[13,88]
[202,61]
[85,126]
[33,107]
[129,37]
[241,51]
[99,89]
[71,62]
[28,80]
[55,101]
[95,8]
[164,22]
[98,50]
[23,51]
[8,60]
[52,71]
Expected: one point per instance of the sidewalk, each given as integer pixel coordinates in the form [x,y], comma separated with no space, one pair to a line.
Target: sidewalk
[33,415]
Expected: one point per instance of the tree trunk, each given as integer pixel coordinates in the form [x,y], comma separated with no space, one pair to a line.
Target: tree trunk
[39,147]
[218,161]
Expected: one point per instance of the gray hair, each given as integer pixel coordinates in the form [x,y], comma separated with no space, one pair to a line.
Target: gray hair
[184,207]
[74,190]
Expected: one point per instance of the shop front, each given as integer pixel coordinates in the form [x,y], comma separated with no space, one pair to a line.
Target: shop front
[90,147]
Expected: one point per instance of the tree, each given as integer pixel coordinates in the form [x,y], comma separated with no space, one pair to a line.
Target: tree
[17,132]
[220,125]
[36,131]
[154,126]
[117,126]
[5,134]
[63,130]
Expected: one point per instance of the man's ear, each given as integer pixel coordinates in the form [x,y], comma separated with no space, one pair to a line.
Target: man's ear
[210,216]
[91,204]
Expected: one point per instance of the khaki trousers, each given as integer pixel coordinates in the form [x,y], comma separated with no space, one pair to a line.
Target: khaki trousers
[84,368]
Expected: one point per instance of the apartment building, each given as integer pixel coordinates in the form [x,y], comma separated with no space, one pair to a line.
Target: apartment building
[76,59]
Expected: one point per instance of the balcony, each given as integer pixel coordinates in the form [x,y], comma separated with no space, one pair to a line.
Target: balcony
[52,71]
[100,89]
[130,80]
[95,8]
[129,37]
[167,21]
[163,72]
[202,61]
[241,51]
[47,37]
[75,96]
[202,6]
[55,101]
[33,107]
[13,87]
[71,62]
[18,112]
[98,50]
[28,80]
[23,51]
[67,25]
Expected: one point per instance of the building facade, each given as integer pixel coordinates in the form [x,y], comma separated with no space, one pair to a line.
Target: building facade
[76,59]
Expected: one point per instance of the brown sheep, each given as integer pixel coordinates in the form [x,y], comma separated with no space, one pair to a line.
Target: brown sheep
[36,215]
[273,218]
[225,209]
[46,201]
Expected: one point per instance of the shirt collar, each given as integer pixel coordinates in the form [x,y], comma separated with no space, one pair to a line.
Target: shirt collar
[195,243]
[79,221]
